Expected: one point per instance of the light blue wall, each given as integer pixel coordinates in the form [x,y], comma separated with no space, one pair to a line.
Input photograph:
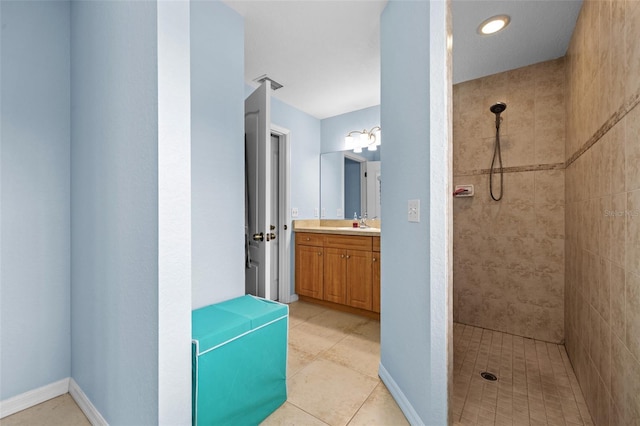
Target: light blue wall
[409,364]
[114,208]
[332,184]
[305,155]
[334,129]
[217,152]
[35,253]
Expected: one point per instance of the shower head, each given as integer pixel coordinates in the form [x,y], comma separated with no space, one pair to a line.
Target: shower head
[498,107]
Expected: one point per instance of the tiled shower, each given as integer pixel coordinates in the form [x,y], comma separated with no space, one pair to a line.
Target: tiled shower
[509,255]
[558,258]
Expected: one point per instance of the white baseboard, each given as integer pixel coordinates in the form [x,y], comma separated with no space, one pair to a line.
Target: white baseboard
[92,413]
[33,397]
[404,404]
[288,299]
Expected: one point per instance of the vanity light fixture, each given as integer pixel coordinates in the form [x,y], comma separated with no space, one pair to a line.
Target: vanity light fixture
[370,139]
[494,24]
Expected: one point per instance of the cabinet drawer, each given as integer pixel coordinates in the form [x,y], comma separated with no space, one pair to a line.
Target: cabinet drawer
[348,242]
[309,239]
[376,243]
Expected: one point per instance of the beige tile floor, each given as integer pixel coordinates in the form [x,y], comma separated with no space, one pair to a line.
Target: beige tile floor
[333,379]
[536,384]
[332,371]
[58,411]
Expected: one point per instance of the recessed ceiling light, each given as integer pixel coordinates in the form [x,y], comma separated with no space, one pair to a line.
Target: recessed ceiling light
[494,24]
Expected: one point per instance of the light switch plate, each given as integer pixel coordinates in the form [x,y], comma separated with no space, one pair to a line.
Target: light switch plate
[414,210]
[315,212]
[294,212]
[324,213]
[339,213]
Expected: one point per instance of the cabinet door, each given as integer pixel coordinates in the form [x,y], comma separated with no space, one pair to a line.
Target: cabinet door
[309,271]
[376,282]
[359,271]
[335,267]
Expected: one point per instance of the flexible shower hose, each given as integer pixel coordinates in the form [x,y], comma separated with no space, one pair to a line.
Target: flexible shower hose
[496,152]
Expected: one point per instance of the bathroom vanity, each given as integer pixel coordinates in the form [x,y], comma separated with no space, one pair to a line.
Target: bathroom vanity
[338,266]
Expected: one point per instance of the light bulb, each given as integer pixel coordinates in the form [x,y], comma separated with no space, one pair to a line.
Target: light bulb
[357,149]
[348,142]
[493,24]
[364,139]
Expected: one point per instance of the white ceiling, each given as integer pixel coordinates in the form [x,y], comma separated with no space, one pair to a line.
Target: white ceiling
[326,54]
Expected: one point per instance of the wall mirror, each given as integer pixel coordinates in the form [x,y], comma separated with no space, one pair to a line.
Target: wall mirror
[350,183]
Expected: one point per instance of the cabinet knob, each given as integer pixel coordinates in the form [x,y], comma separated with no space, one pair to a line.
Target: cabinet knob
[319,253]
[342,256]
[307,239]
[348,256]
[375,260]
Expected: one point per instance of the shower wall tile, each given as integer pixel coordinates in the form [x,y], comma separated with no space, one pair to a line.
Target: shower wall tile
[618,297]
[618,219]
[549,146]
[617,157]
[632,312]
[549,187]
[518,148]
[550,220]
[632,27]
[509,256]
[632,241]
[632,150]
[602,212]
[604,227]
[521,109]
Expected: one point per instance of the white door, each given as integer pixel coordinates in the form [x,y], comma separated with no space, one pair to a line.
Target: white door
[258,233]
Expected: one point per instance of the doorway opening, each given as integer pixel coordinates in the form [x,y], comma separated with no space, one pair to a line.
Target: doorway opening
[280,191]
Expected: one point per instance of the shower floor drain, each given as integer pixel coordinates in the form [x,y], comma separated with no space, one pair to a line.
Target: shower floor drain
[488,376]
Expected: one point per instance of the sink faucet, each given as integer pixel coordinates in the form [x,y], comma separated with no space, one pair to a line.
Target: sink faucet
[363,221]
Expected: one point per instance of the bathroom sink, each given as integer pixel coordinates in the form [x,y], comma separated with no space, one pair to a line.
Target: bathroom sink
[349,228]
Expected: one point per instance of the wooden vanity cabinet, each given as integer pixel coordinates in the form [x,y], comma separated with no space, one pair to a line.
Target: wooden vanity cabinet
[347,277]
[335,271]
[348,270]
[358,277]
[376,275]
[309,265]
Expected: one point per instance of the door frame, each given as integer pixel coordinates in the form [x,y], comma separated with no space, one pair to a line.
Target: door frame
[284,201]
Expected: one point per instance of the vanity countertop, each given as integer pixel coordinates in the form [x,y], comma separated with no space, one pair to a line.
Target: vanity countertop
[341,227]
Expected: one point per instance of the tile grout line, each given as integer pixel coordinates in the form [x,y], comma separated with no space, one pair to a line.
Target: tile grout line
[305,411]
[347,332]
[575,385]
[466,397]
[544,401]
[363,402]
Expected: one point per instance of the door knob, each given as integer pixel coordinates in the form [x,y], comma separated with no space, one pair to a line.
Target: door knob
[258,237]
[272,235]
